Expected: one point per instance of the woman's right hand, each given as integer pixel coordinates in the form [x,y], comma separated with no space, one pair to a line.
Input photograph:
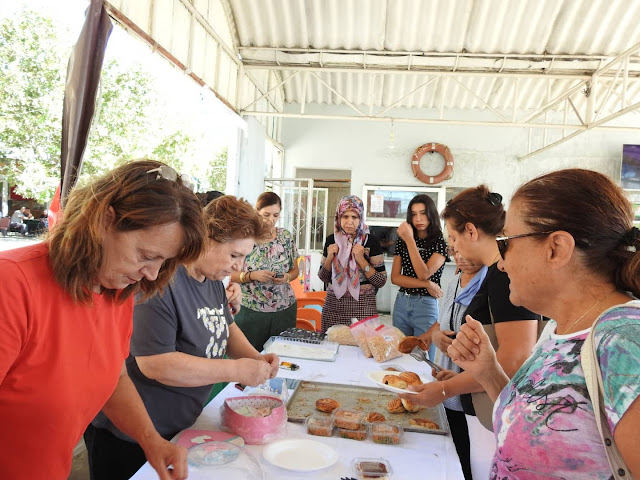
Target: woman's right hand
[405,232]
[472,350]
[442,340]
[264,276]
[252,372]
[332,251]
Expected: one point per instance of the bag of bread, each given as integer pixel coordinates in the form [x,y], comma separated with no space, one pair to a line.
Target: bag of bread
[341,334]
[383,342]
[360,330]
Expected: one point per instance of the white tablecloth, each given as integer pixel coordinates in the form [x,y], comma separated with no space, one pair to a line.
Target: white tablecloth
[418,456]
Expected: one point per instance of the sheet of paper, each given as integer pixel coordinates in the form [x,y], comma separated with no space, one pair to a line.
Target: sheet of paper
[377,204]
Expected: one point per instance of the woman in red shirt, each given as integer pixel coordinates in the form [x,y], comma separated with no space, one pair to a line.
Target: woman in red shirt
[64,334]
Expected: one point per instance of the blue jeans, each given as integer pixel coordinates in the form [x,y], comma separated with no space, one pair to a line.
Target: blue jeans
[414,315]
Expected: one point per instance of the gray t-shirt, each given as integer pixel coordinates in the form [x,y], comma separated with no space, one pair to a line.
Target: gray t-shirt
[189,317]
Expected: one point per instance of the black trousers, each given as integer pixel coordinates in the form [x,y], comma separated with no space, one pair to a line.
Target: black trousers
[111,458]
[460,434]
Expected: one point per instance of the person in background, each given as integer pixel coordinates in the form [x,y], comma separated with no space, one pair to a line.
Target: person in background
[65,339]
[179,340]
[208,197]
[457,296]
[577,261]
[473,219]
[418,263]
[17,221]
[269,304]
[353,266]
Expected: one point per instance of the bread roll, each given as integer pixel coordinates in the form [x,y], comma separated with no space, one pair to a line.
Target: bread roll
[409,343]
[411,378]
[327,405]
[410,406]
[394,381]
[395,406]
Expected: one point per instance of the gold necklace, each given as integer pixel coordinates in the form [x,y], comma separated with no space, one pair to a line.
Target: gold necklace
[586,313]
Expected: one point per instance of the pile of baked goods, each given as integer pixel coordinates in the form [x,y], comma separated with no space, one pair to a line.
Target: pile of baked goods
[409,343]
[402,380]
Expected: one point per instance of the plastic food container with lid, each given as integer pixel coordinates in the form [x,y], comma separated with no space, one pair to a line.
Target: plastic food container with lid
[372,468]
[317,425]
[354,434]
[348,419]
[386,433]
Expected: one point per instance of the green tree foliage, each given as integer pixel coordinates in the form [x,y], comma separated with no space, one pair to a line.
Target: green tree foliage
[217,171]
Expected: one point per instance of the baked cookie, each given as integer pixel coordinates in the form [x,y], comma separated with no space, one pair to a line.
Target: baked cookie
[375,417]
[409,343]
[394,381]
[327,405]
[395,406]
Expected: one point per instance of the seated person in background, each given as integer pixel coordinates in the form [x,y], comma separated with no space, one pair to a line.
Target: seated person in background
[179,341]
[17,221]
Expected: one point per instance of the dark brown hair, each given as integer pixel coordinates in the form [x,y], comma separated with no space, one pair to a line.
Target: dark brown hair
[434,230]
[595,211]
[478,206]
[267,199]
[229,218]
[139,201]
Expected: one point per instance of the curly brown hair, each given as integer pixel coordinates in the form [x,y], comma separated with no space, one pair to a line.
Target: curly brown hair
[229,218]
[139,200]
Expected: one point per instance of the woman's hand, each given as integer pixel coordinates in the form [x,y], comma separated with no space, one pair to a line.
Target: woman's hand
[332,251]
[234,297]
[472,350]
[264,276]
[441,339]
[161,454]
[443,375]
[273,361]
[434,289]
[429,394]
[281,280]
[358,253]
[252,372]
[405,232]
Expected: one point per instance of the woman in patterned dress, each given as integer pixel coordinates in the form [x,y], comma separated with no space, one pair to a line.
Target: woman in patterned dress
[180,339]
[572,254]
[353,266]
[268,303]
[418,263]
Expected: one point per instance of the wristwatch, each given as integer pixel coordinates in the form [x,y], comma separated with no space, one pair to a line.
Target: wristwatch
[367,268]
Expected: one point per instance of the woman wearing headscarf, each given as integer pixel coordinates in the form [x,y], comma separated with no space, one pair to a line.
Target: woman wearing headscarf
[353,266]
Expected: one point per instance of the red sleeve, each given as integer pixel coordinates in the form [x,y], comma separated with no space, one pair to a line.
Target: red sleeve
[15,298]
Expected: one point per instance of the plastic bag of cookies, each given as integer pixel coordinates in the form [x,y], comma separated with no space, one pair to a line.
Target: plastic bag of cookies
[361,329]
[383,343]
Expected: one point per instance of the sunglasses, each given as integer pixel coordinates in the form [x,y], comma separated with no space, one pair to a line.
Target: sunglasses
[503,242]
[165,172]
[493,198]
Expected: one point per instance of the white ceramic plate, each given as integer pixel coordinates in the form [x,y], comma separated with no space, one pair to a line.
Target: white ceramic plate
[377,376]
[300,455]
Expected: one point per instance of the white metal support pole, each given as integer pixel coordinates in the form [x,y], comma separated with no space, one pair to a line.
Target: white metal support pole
[338,94]
[379,114]
[482,100]
[275,87]
[443,86]
[307,233]
[303,103]
[515,99]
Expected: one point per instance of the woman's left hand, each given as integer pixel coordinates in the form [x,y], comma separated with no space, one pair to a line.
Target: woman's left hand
[273,361]
[434,290]
[358,252]
[429,394]
[234,297]
[281,280]
[161,454]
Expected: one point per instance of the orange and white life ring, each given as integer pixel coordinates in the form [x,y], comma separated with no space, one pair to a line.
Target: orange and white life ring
[446,172]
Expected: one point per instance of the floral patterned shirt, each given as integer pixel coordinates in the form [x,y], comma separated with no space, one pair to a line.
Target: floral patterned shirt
[278,256]
[543,419]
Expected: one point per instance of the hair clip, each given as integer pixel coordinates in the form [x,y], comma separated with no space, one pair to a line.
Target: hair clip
[494,199]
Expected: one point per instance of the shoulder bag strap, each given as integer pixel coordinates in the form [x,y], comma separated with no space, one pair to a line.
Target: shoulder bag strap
[593,377]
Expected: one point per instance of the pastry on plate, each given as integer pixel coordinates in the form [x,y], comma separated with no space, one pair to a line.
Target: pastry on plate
[394,381]
[424,423]
[411,378]
[395,406]
[409,343]
[327,405]
[375,417]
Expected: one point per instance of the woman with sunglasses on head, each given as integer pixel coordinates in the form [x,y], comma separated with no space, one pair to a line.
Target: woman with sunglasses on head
[353,265]
[268,303]
[418,263]
[179,341]
[572,253]
[65,339]
[473,219]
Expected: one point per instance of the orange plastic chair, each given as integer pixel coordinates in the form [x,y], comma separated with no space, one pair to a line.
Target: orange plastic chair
[307,298]
[311,314]
[305,324]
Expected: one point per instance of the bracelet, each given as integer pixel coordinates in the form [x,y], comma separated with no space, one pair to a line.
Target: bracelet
[443,393]
[242,274]
[249,277]
[288,277]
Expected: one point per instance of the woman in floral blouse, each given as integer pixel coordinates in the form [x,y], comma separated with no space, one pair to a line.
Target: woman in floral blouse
[268,302]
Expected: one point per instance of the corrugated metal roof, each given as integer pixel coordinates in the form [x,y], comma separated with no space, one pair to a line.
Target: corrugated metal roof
[438,36]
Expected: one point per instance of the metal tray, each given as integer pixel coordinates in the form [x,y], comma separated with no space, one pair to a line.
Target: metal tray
[302,403]
[302,348]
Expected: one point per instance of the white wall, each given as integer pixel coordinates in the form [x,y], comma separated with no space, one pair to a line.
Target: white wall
[250,166]
[481,154]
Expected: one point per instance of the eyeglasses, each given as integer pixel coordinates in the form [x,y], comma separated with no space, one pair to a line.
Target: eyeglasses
[165,172]
[503,244]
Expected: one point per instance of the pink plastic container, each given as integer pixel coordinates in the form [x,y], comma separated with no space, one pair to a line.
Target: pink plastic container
[254,430]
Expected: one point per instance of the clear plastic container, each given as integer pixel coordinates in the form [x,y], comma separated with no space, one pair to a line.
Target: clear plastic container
[348,419]
[321,426]
[386,433]
[222,460]
[351,434]
[372,468]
